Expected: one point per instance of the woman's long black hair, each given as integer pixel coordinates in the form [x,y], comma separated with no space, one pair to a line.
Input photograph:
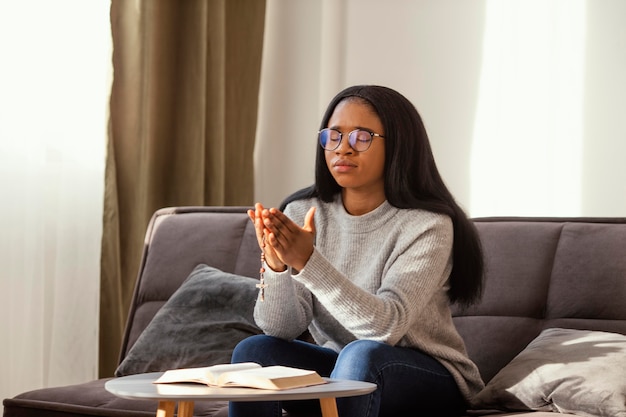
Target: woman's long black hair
[412,180]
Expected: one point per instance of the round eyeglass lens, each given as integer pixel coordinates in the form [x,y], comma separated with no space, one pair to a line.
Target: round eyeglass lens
[360,140]
[329,139]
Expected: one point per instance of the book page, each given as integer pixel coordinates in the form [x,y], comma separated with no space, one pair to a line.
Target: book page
[271,377]
[205,375]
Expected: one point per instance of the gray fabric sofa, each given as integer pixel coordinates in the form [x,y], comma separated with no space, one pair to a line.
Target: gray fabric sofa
[541,273]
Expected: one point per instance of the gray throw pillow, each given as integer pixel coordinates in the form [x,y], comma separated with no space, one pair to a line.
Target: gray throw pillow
[198,326]
[581,372]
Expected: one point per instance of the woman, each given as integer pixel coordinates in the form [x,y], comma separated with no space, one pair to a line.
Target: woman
[369,260]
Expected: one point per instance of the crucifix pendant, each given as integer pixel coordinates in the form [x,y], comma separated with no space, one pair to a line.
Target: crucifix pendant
[261,286]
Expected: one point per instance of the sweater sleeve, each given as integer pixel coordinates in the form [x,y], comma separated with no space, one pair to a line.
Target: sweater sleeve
[286,311]
[415,276]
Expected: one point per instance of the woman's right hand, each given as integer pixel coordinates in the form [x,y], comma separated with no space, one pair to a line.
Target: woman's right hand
[271,257]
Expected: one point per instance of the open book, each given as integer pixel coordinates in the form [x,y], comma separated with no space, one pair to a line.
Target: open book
[248,374]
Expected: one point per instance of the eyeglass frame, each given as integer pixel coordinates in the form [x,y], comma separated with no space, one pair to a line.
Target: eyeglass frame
[341,134]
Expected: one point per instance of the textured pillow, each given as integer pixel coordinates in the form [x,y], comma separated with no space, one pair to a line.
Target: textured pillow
[198,326]
[568,371]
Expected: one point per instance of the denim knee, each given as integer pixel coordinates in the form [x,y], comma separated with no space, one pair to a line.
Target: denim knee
[253,349]
[357,360]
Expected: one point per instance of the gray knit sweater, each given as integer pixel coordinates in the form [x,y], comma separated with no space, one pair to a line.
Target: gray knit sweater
[381,276]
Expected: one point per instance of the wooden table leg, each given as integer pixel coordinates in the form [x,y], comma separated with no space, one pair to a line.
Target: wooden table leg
[166,409]
[329,407]
[185,409]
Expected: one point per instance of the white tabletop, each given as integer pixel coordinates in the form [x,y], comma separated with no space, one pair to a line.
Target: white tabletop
[142,387]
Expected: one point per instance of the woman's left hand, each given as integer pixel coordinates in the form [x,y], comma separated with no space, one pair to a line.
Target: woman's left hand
[292,243]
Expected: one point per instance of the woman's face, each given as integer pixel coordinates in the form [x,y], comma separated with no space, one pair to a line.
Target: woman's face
[357,171]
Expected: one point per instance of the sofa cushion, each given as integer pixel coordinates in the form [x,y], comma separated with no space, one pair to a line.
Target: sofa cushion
[564,370]
[588,276]
[198,326]
[544,273]
[177,240]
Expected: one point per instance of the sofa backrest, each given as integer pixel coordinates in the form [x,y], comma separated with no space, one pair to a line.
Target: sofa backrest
[540,273]
[543,273]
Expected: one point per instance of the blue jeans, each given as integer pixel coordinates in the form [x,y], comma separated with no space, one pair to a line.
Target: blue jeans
[408,380]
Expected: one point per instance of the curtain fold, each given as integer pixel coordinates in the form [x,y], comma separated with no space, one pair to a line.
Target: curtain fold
[183,121]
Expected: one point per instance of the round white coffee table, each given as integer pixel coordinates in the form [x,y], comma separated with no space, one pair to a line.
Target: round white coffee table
[141,387]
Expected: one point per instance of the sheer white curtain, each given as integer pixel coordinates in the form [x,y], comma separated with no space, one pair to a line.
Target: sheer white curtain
[54,89]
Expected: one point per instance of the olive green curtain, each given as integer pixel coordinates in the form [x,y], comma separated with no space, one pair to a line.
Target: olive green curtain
[183,115]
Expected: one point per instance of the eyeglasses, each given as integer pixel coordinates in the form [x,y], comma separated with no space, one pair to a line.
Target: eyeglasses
[359,140]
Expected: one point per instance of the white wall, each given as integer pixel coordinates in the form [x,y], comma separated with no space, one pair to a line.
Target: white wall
[522,98]
[604,170]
